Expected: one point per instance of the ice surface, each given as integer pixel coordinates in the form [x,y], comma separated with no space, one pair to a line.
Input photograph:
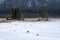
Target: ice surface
[18,30]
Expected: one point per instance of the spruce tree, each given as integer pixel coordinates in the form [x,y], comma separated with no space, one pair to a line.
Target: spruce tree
[44,14]
[16,14]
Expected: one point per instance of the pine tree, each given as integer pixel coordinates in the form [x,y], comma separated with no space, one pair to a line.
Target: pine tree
[16,14]
[44,14]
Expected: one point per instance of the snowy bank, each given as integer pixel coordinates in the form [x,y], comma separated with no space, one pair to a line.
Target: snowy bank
[37,30]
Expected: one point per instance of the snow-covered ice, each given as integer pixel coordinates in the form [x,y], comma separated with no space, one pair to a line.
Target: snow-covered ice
[18,30]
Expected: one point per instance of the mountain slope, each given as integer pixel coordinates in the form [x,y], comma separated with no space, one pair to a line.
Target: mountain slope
[29,3]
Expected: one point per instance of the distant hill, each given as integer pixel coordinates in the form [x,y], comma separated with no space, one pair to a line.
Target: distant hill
[33,4]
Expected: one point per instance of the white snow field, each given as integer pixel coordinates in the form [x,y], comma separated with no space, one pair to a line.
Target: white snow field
[30,30]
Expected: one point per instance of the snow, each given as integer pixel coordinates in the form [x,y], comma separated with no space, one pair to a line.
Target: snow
[2,18]
[18,30]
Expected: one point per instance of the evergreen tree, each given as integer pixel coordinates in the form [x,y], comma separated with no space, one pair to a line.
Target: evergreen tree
[16,14]
[44,14]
